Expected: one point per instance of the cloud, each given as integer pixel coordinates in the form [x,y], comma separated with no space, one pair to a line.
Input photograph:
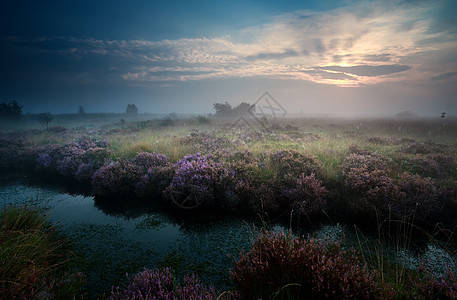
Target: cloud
[272,55]
[444,76]
[362,43]
[368,70]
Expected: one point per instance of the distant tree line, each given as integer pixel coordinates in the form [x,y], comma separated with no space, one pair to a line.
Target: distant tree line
[11,110]
[226,110]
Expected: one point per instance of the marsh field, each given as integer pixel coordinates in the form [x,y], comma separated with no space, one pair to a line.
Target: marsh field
[203,208]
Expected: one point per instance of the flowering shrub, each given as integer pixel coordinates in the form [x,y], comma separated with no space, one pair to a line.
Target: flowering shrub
[367,161]
[78,159]
[308,196]
[161,284]
[195,180]
[205,142]
[10,150]
[286,267]
[148,160]
[429,285]
[432,165]
[291,163]
[374,189]
[422,196]
[416,147]
[116,178]
[383,140]
[158,173]
[257,196]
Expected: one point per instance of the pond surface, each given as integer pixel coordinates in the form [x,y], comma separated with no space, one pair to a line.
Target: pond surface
[114,245]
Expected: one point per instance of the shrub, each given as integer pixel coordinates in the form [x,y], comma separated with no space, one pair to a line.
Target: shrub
[366,175]
[161,284]
[291,163]
[78,159]
[422,197]
[416,147]
[383,140]
[258,196]
[308,196]
[158,173]
[426,284]
[433,165]
[286,267]
[374,191]
[194,181]
[117,178]
[205,142]
[147,160]
[10,150]
[368,161]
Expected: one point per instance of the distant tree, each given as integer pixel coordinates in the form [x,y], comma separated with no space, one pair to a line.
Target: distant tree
[45,119]
[243,109]
[226,110]
[12,110]
[223,109]
[81,110]
[131,109]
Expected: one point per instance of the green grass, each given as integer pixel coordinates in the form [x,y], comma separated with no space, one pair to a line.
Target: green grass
[34,257]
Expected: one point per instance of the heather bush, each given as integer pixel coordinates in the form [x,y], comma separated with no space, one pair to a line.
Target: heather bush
[354,149]
[425,284]
[205,142]
[10,149]
[383,140]
[289,164]
[117,178]
[257,196]
[416,147]
[368,161]
[195,181]
[422,197]
[158,173]
[374,191]
[148,160]
[162,284]
[308,196]
[280,266]
[77,159]
[432,165]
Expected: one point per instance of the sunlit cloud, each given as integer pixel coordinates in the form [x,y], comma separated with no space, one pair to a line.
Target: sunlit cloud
[363,43]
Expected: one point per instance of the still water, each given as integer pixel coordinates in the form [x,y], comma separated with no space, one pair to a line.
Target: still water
[113,242]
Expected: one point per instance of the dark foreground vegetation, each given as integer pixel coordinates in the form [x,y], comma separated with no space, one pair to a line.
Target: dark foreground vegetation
[394,176]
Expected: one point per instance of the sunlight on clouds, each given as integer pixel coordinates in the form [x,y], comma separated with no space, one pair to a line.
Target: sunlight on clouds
[364,43]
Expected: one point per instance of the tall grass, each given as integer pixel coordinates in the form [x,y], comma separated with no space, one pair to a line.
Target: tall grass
[34,257]
[400,274]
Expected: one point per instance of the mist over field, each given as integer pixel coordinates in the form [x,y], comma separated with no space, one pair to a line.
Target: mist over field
[228,149]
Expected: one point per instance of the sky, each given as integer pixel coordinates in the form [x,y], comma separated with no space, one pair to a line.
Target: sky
[325,57]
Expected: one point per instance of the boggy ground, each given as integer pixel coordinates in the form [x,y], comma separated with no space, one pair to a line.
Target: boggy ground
[351,169]
[365,172]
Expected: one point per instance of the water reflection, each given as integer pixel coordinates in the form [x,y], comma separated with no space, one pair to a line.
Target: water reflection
[115,238]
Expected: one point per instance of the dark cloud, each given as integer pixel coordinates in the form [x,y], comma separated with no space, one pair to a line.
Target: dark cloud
[378,57]
[367,70]
[330,75]
[271,55]
[338,58]
[444,76]
[319,46]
